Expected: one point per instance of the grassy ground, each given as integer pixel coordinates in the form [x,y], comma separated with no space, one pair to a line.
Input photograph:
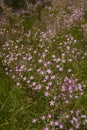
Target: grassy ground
[29,53]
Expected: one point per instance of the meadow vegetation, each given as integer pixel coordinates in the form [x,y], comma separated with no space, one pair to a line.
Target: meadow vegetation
[43,66]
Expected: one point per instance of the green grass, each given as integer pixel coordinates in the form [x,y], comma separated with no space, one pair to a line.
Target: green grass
[16,108]
[13,104]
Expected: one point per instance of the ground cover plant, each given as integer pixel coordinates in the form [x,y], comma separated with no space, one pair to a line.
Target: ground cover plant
[43,66]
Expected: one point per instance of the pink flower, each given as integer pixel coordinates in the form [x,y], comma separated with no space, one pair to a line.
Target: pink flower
[43,117]
[40,61]
[72,122]
[31,78]
[51,123]
[47,87]
[50,83]
[48,62]
[34,83]
[52,103]
[60,69]
[71,129]
[46,128]
[61,126]
[49,71]
[46,94]
[67,116]
[24,78]
[77,126]
[57,66]
[69,70]
[41,72]
[34,121]
[18,83]
[58,59]
[67,101]
[28,81]
[53,77]
[56,123]
[75,119]
[49,116]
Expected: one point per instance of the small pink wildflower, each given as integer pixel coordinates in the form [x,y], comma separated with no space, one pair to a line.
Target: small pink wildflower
[46,128]
[46,94]
[51,123]
[49,71]
[53,77]
[43,117]
[52,103]
[49,116]
[60,69]
[56,123]
[69,70]
[71,129]
[50,83]
[34,121]
[61,126]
